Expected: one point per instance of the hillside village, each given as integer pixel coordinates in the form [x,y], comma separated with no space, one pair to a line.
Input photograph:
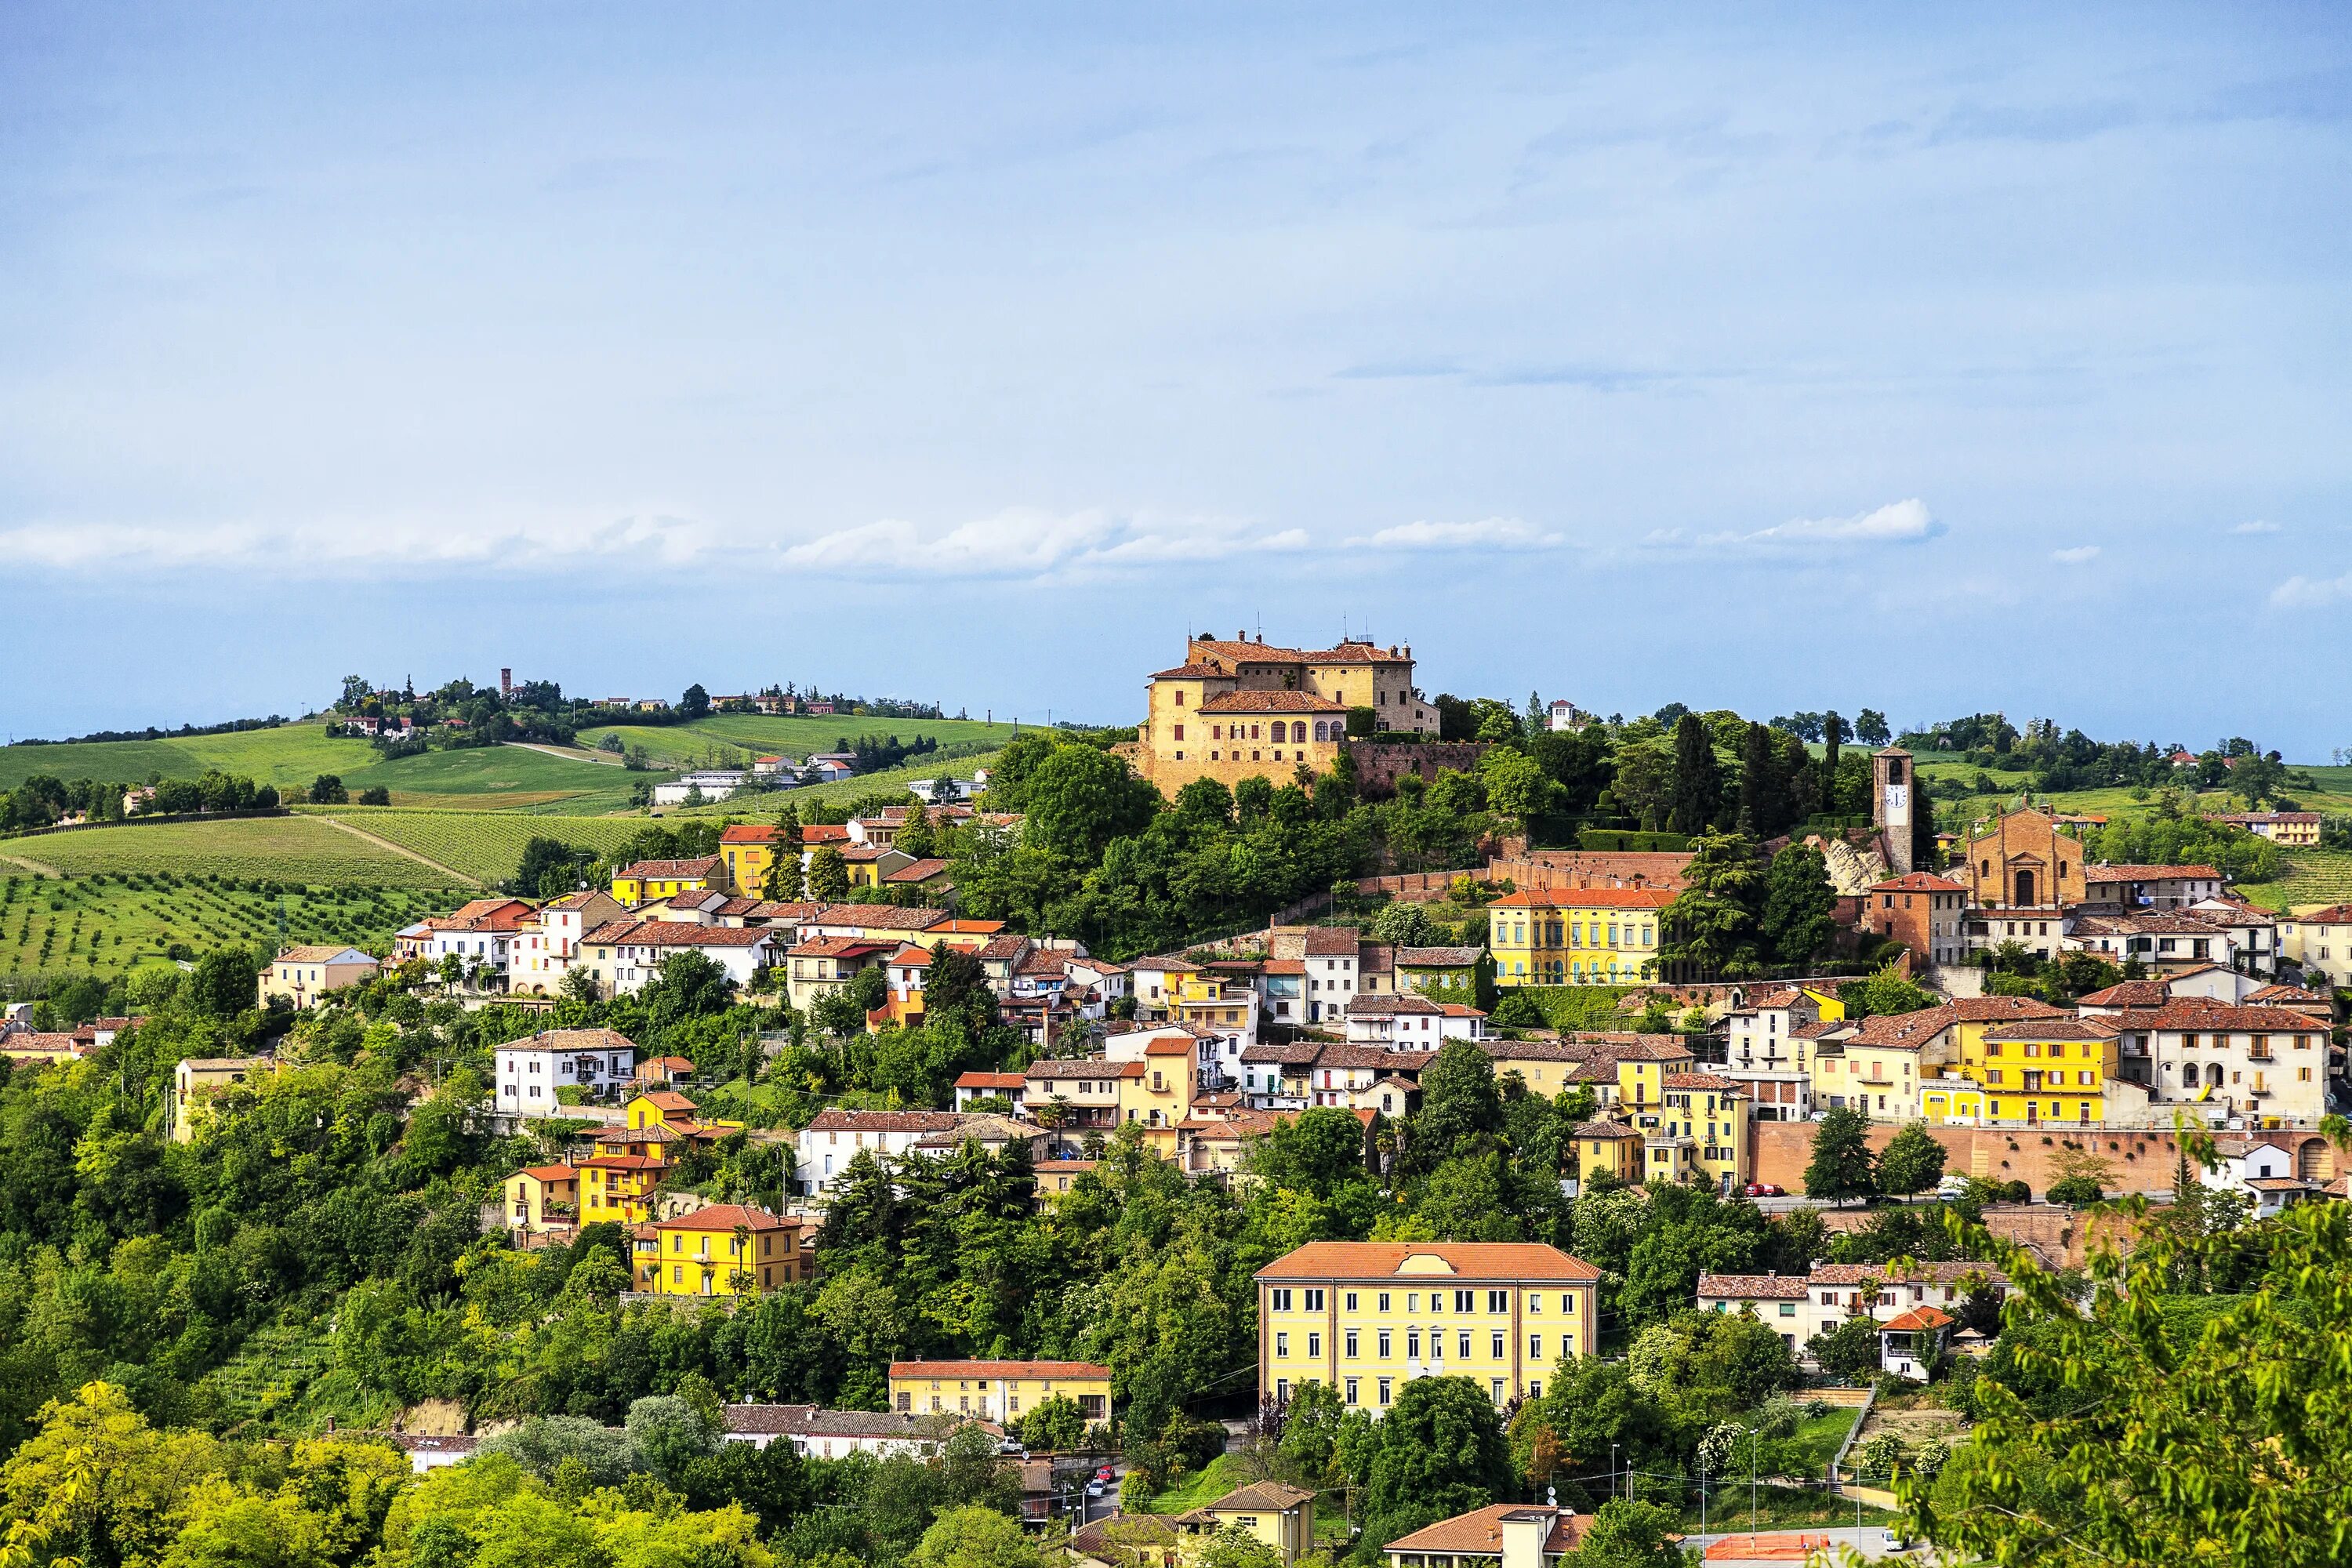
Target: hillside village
[1424,1114]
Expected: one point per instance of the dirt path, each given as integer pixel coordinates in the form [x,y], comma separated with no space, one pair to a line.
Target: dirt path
[34,866]
[575,754]
[450,871]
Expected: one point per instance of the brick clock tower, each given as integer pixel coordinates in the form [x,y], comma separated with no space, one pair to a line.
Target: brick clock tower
[1890,795]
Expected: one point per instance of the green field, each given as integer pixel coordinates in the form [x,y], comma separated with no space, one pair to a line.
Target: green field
[473,779]
[705,741]
[108,923]
[285,849]
[487,845]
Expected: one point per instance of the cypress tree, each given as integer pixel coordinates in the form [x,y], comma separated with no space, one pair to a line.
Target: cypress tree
[1698,778]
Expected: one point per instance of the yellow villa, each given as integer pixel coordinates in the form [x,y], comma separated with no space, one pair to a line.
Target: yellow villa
[1280,1517]
[543,1197]
[1366,1317]
[646,880]
[2028,1074]
[998,1391]
[1577,936]
[724,1250]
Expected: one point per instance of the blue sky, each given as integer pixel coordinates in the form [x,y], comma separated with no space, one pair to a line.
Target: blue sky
[1763,357]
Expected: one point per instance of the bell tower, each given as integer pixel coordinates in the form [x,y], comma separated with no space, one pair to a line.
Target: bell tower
[1891,796]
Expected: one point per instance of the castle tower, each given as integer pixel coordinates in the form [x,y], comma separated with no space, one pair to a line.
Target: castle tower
[1891,796]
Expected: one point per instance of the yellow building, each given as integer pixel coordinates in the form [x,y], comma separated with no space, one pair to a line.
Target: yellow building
[544,1198]
[998,1391]
[1156,1093]
[747,851]
[1241,709]
[303,975]
[619,1187]
[1281,1518]
[668,1108]
[1608,1149]
[198,1080]
[1700,1132]
[2035,1073]
[1885,1065]
[724,1250]
[869,864]
[1216,1003]
[1626,1071]
[1366,1317]
[648,879]
[1577,936]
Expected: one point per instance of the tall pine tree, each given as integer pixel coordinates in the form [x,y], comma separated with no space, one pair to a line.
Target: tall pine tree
[1698,778]
[1763,791]
[1833,734]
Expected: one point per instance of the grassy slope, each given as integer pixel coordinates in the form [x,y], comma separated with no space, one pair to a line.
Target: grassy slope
[765,806]
[104,925]
[286,848]
[297,753]
[485,844]
[686,745]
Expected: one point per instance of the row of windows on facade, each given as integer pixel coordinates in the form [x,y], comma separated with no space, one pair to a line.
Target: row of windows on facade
[587,1065]
[1549,935]
[1294,734]
[1350,1343]
[1351,1391]
[1313,1298]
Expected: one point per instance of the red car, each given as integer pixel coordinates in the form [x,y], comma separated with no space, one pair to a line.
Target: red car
[1106,1475]
[1762,1190]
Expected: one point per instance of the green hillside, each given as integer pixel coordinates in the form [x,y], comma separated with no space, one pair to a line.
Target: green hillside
[697,744]
[285,849]
[503,776]
[487,845]
[765,806]
[106,924]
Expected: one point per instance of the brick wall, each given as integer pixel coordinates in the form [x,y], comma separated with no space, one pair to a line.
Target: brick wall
[2142,1159]
[1380,764]
[1591,868]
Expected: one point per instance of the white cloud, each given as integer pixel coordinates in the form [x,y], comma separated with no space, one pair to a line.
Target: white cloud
[333,546]
[2256,528]
[1897,522]
[2077,556]
[1026,542]
[2312,593]
[1499,532]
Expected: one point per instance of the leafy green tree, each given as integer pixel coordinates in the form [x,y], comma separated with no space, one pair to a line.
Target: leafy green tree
[1848,1352]
[1840,1167]
[328,789]
[1800,906]
[1405,925]
[975,1537]
[1516,786]
[1461,1108]
[1440,1446]
[1629,1533]
[1833,733]
[1882,993]
[1870,728]
[223,984]
[1912,1162]
[828,876]
[1053,1423]
[695,704]
[1715,922]
[1079,799]
[1698,778]
[1763,789]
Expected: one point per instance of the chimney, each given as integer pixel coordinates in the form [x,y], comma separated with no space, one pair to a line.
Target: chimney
[1242,636]
[1524,1530]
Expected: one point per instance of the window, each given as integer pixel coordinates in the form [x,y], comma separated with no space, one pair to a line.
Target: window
[1497,1351]
[1462,1344]
[1351,1391]
[1535,1298]
[1351,1351]
[1314,1300]
[1384,1392]
[1466,1300]
[1179,732]
[1412,1343]
[1315,1344]
[1281,1298]
[1282,1344]
[1535,1347]
[1535,1389]
[1494,1389]
[1498,1300]
[1382,1300]
[1385,1351]
[1350,1301]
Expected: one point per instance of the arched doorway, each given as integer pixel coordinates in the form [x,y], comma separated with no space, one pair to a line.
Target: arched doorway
[2311,1161]
[2025,900]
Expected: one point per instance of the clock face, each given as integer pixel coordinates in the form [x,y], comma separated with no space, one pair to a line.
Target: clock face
[1897,796]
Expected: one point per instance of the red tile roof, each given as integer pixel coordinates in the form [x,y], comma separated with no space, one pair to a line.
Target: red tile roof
[1917,1317]
[1270,703]
[1586,899]
[724,1216]
[1024,1369]
[746,832]
[885,1121]
[666,871]
[2105,873]
[1919,882]
[922,870]
[1464,1260]
[1479,1533]
[676,934]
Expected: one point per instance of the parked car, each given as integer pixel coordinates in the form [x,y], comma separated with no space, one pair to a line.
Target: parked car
[1106,1474]
[1762,1190]
[1094,1489]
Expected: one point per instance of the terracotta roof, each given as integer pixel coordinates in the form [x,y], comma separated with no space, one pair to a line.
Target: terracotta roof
[1021,1369]
[549,1173]
[663,870]
[1438,957]
[1753,1287]
[2278,1184]
[1296,1054]
[2329,915]
[724,1216]
[2152,924]
[2105,873]
[2305,817]
[1586,899]
[1064,1167]
[1270,703]
[991,1080]
[1245,652]
[1332,941]
[1919,882]
[885,1121]
[1271,1496]
[1480,1531]
[1010,945]
[572,1040]
[1715,1083]
[814,1421]
[1389,1006]
[838,947]
[815,833]
[1089,1068]
[675,934]
[746,832]
[319,954]
[625,1162]
[911,955]
[1282,966]
[1606,1130]
[2271,995]
[2192,1013]
[2130,994]
[1947,1273]
[922,870]
[1192,672]
[1916,1318]
[2051,1029]
[1464,1260]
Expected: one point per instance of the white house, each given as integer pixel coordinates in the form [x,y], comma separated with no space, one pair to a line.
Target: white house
[2215,1061]
[713,783]
[824,1148]
[625,956]
[1799,1307]
[1763,1033]
[1412,1023]
[820,1434]
[1562,714]
[1331,956]
[930,793]
[529,1072]
[2321,942]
